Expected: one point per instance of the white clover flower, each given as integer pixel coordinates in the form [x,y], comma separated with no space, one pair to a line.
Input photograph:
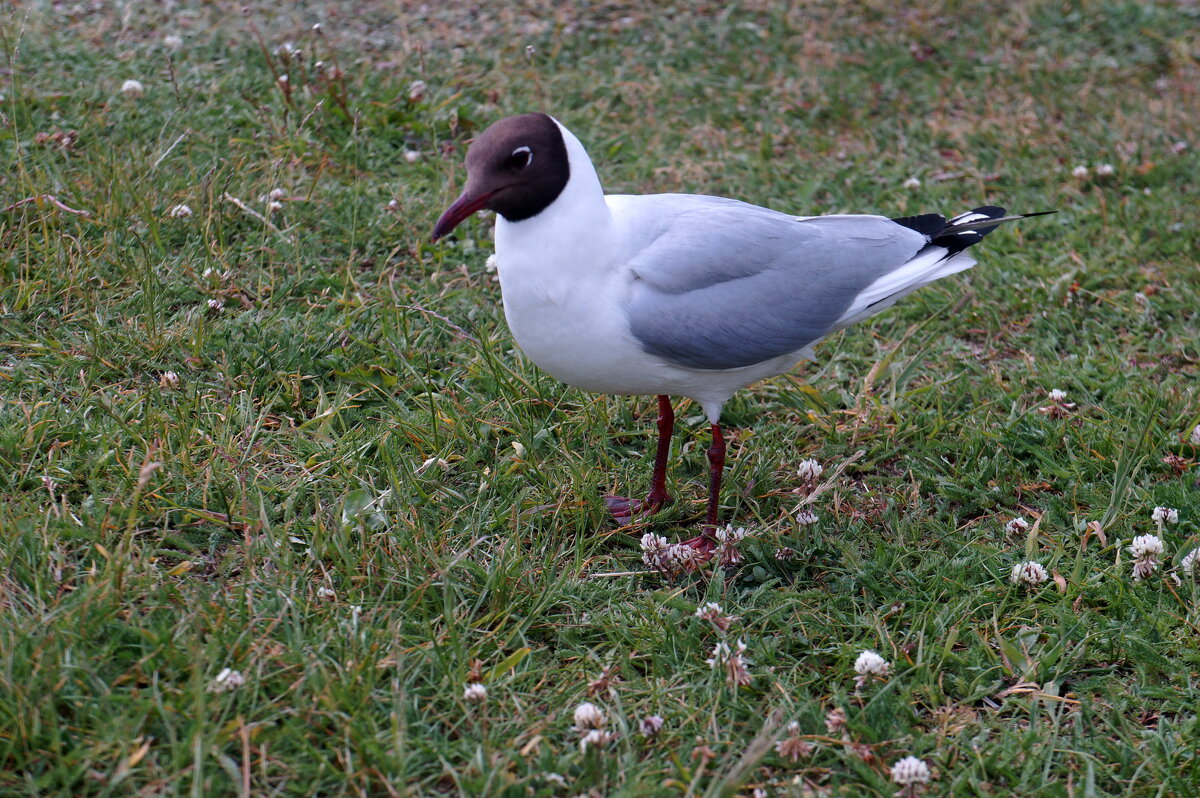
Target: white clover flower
[835,720]
[1057,395]
[326,593]
[733,663]
[650,725]
[274,206]
[173,41]
[276,193]
[226,681]
[1179,147]
[412,156]
[912,182]
[589,716]
[286,49]
[489,266]
[1145,549]
[179,212]
[669,558]
[1017,526]
[1029,572]
[393,205]
[1141,299]
[475,692]
[792,747]
[133,88]
[596,738]
[216,305]
[728,539]
[282,80]
[1079,171]
[806,518]
[416,91]
[1164,515]
[868,666]
[1105,170]
[1194,438]
[909,771]
[809,470]
[653,546]
[169,379]
[1146,546]
[713,613]
[1188,563]
[870,663]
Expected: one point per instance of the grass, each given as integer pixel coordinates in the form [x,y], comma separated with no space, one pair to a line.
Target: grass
[356,419]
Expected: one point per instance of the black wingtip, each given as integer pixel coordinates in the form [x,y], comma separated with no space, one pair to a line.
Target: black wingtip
[964,230]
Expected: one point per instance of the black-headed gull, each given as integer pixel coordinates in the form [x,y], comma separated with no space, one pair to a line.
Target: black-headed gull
[680,294]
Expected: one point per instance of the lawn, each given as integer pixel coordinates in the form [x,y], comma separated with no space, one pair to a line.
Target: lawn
[278,488]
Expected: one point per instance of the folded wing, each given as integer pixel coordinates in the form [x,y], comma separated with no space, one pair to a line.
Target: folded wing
[726,284]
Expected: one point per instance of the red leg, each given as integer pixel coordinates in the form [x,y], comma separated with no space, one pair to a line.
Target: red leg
[706,541]
[716,465]
[624,509]
[666,427]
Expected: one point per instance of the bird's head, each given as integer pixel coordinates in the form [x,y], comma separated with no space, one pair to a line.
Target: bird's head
[517,167]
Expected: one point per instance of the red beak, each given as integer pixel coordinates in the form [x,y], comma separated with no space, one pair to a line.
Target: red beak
[459,210]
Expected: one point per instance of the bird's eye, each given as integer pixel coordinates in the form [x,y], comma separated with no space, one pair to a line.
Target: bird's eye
[520,158]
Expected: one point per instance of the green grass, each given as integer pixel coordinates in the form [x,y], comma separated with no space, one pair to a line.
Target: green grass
[155,535]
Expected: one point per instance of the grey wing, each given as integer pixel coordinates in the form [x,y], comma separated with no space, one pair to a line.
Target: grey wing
[729,285]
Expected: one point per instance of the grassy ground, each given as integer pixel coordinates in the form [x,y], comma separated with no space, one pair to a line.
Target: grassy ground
[357,495]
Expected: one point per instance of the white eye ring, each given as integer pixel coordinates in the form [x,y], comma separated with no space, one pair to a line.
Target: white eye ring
[523,149]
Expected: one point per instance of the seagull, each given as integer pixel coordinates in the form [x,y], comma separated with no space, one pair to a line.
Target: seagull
[681,294]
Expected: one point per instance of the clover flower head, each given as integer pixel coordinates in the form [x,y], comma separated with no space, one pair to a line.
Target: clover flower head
[728,539]
[1164,515]
[589,716]
[596,738]
[1017,526]
[792,747]
[650,725]
[809,470]
[909,771]
[868,666]
[1145,550]
[732,662]
[1029,572]
[226,681]
[1188,563]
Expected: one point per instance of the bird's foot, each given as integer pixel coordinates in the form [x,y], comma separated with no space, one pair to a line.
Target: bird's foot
[624,510]
[704,544]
